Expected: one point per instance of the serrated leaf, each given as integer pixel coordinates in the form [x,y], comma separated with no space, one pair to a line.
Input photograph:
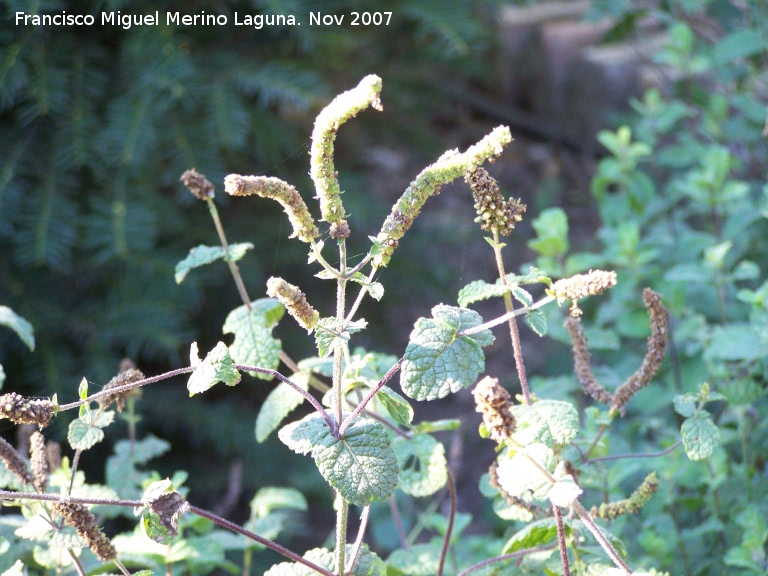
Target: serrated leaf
[537,321]
[700,436]
[522,296]
[375,290]
[254,344]
[202,255]
[480,290]
[361,465]
[423,469]
[549,422]
[396,406]
[216,367]
[82,389]
[319,556]
[437,361]
[564,491]
[519,474]
[22,327]
[82,436]
[539,533]
[278,404]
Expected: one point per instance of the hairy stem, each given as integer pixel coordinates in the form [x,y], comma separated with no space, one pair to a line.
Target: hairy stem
[561,540]
[338,356]
[636,455]
[513,331]
[359,539]
[224,244]
[449,529]
[504,558]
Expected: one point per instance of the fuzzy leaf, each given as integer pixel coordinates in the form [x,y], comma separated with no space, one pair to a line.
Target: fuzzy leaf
[533,276]
[280,402]
[23,329]
[565,490]
[254,344]
[361,465]
[423,469]
[685,405]
[518,474]
[549,422]
[480,290]
[216,367]
[437,361]
[202,255]
[326,339]
[86,431]
[301,436]
[539,533]
[522,296]
[700,436]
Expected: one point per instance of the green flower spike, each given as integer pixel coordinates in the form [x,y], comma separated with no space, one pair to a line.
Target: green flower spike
[448,167]
[267,187]
[322,171]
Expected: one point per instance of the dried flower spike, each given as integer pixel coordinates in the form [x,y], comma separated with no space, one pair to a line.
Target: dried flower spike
[493,213]
[493,403]
[294,301]
[581,285]
[26,410]
[289,198]
[128,376]
[448,167]
[653,356]
[581,362]
[197,184]
[14,462]
[324,175]
[38,459]
[78,516]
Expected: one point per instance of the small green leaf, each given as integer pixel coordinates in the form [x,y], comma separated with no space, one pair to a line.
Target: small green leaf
[274,498]
[685,405]
[83,435]
[254,344]
[447,425]
[82,389]
[23,329]
[327,335]
[437,360]
[397,406]
[539,533]
[522,296]
[280,402]
[537,321]
[423,469]
[533,276]
[700,436]
[202,255]
[216,367]
[376,290]
[552,233]
[361,466]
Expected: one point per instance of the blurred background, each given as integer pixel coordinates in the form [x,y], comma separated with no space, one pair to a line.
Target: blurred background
[97,123]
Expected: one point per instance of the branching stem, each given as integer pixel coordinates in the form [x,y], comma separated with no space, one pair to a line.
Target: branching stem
[503,318]
[513,331]
[351,418]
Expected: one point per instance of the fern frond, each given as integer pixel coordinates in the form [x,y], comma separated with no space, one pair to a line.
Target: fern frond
[283,84]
